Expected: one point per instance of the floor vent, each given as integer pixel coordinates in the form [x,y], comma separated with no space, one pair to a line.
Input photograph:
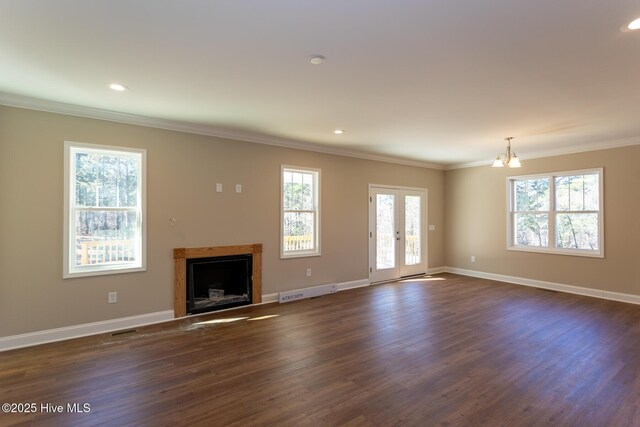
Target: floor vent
[316,291]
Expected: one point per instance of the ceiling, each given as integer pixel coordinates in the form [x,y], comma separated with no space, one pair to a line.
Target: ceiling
[431,81]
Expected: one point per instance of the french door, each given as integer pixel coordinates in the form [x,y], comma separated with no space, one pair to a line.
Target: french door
[397,232]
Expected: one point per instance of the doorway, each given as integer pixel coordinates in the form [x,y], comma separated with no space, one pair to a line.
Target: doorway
[397,232]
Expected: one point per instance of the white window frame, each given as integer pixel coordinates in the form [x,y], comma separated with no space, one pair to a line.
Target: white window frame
[70,270]
[552,248]
[305,253]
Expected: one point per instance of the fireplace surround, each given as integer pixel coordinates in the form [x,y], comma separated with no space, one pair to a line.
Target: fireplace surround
[182,255]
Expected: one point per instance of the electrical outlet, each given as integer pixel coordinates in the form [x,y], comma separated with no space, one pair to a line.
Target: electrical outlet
[432,227]
[238,188]
[218,188]
[308,272]
[473,258]
[112,297]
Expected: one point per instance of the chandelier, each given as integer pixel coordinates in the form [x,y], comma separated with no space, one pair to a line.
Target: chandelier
[508,158]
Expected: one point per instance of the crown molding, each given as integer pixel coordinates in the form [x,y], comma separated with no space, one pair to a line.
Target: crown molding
[19,101]
[617,143]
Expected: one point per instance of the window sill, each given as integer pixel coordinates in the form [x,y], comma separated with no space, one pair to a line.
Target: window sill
[556,251]
[102,271]
[300,255]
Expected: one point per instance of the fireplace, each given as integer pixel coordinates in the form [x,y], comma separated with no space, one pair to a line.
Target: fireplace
[218,282]
[213,278]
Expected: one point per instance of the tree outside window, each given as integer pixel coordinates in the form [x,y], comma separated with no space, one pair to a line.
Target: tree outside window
[559,212]
[104,203]
[300,212]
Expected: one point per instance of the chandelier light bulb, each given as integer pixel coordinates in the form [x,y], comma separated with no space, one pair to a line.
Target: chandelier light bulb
[508,158]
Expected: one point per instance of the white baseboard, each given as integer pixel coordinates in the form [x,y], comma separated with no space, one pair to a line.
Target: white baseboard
[269,298]
[436,270]
[619,296]
[77,331]
[597,293]
[83,330]
[353,284]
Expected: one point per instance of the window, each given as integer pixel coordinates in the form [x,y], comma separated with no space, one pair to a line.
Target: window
[104,210]
[558,213]
[300,216]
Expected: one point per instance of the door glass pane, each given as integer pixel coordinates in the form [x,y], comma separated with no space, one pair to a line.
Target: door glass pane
[385,231]
[412,230]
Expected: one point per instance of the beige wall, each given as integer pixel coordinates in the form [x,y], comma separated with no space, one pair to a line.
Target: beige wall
[476,222]
[182,172]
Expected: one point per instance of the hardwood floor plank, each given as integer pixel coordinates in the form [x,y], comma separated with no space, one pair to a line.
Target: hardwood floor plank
[447,350]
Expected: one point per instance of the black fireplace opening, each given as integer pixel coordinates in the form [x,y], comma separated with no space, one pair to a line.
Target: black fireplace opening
[218,282]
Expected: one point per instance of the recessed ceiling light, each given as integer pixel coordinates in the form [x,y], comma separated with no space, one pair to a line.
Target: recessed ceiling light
[117,87]
[634,25]
[338,131]
[317,59]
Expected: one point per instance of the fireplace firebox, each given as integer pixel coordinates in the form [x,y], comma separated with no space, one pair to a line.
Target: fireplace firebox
[220,282]
[180,284]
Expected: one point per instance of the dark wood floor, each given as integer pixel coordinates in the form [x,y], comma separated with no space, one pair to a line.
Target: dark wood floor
[446,350]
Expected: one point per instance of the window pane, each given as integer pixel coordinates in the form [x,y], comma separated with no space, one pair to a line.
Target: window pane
[577,231]
[307,191]
[385,231]
[127,182]
[298,231]
[412,230]
[287,193]
[300,212]
[531,194]
[577,192]
[105,180]
[531,229]
[298,191]
[86,177]
[592,192]
[104,237]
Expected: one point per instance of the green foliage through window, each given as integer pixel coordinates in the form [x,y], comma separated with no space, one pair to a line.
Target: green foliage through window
[300,211]
[565,205]
[105,218]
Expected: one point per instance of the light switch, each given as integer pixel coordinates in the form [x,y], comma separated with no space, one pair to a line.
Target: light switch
[238,188]
[432,227]
[218,188]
